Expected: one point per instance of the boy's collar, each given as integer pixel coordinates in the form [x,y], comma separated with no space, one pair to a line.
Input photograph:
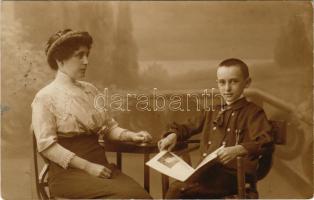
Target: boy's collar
[241,96]
[239,103]
[218,121]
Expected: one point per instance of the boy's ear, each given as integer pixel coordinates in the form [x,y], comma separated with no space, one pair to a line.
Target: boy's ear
[248,82]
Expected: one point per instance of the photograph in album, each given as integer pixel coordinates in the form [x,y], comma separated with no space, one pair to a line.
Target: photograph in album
[172,165]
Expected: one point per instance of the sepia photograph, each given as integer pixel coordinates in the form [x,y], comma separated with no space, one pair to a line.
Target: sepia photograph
[92,90]
[168,160]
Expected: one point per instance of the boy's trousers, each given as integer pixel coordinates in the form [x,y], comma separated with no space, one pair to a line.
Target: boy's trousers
[216,182]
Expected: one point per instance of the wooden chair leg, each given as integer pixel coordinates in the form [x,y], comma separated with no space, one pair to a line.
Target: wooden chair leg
[165,185]
[187,158]
[240,178]
[119,160]
[165,179]
[146,173]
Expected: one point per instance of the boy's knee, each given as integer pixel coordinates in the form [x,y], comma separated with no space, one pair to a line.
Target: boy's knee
[176,190]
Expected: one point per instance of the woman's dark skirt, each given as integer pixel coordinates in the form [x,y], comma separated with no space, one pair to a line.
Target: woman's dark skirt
[77,184]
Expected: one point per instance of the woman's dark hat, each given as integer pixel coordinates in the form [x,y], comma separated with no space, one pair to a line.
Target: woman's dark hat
[62,38]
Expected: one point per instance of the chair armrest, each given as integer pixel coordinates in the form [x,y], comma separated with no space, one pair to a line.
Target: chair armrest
[182,147]
[279,131]
[192,141]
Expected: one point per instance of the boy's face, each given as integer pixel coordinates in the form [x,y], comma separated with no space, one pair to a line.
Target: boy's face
[231,82]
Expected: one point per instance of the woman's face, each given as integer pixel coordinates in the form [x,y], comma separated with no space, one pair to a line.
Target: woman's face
[76,65]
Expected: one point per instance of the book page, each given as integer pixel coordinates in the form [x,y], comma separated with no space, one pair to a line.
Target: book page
[208,158]
[171,165]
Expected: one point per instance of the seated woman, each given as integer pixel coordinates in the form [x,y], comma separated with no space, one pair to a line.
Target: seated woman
[67,127]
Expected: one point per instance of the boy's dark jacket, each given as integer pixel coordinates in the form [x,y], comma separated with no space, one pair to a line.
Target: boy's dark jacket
[242,123]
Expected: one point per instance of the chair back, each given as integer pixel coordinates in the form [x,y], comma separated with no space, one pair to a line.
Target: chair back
[40,178]
[279,138]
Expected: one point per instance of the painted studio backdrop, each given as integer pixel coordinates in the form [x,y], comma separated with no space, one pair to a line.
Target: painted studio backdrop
[170,46]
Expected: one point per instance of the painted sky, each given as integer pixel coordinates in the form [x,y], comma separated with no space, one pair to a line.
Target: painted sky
[211,30]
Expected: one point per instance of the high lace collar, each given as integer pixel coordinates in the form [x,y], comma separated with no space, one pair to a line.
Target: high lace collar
[69,85]
[65,80]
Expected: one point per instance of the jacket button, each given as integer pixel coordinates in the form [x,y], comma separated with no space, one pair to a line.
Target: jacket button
[214,128]
[228,129]
[232,114]
[204,154]
[209,142]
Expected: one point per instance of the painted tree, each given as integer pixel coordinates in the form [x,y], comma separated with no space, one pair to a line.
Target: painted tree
[294,46]
[97,19]
[124,57]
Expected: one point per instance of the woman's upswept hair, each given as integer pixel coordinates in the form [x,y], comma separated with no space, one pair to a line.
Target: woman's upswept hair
[63,44]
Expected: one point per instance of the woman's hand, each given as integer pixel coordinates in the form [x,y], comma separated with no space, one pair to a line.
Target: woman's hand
[141,137]
[168,142]
[227,154]
[98,170]
[91,168]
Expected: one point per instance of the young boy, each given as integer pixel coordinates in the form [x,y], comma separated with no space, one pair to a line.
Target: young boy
[241,126]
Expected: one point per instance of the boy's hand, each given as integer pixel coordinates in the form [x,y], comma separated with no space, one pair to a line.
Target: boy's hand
[227,154]
[168,142]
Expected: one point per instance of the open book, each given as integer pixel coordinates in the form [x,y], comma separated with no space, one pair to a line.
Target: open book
[172,165]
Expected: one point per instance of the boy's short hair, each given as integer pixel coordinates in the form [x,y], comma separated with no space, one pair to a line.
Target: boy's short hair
[236,62]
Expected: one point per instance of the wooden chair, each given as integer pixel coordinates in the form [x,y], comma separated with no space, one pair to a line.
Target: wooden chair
[40,178]
[247,185]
